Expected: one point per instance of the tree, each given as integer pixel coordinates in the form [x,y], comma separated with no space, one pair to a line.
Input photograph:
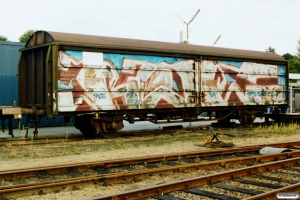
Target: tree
[25,37]
[288,56]
[270,49]
[184,42]
[3,38]
[294,63]
[298,48]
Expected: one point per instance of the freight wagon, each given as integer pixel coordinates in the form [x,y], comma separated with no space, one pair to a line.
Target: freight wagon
[102,81]
[9,57]
[292,113]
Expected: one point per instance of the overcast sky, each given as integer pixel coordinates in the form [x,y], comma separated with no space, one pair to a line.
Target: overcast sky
[242,24]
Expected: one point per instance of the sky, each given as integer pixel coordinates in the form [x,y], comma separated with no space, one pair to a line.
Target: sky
[242,24]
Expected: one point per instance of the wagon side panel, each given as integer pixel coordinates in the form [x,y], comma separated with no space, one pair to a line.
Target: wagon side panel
[233,83]
[110,81]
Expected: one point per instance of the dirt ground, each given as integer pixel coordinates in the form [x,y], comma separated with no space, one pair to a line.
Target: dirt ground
[131,151]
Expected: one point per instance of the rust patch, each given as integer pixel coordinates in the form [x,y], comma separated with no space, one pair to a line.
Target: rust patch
[162,103]
[267,81]
[211,83]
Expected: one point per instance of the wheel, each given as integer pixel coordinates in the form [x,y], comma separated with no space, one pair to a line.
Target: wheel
[110,134]
[83,123]
[111,129]
[247,118]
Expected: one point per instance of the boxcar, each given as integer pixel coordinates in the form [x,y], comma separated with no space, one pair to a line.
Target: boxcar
[9,58]
[102,81]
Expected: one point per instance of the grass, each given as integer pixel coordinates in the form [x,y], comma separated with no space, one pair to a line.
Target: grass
[197,160]
[180,160]
[27,149]
[278,129]
[234,132]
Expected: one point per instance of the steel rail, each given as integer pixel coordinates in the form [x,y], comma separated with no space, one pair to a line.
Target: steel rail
[273,194]
[22,173]
[127,176]
[48,140]
[198,181]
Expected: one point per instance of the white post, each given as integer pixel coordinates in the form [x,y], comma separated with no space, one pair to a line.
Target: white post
[291,99]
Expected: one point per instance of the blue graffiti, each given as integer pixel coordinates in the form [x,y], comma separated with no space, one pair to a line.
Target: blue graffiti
[62,86]
[175,86]
[230,79]
[282,76]
[132,98]
[232,63]
[263,93]
[258,93]
[281,70]
[282,80]
[213,94]
[100,95]
[75,54]
[117,59]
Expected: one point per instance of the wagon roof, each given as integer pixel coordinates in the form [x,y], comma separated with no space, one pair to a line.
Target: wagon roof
[71,39]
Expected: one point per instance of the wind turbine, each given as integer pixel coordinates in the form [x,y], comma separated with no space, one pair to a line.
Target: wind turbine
[187,24]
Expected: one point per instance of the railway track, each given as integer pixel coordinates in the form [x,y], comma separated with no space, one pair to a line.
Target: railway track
[242,156]
[42,141]
[165,129]
[192,185]
[53,138]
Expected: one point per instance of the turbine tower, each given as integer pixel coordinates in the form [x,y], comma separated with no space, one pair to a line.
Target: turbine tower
[187,25]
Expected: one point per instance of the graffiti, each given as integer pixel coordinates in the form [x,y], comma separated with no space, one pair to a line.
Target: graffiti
[122,81]
[90,78]
[213,95]
[132,98]
[100,95]
[257,94]
[65,80]
[242,83]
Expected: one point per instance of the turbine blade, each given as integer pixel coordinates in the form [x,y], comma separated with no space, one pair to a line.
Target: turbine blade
[217,40]
[179,18]
[195,15]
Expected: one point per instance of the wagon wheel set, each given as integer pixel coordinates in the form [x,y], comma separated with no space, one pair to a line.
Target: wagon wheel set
[245,117]
[110,126]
